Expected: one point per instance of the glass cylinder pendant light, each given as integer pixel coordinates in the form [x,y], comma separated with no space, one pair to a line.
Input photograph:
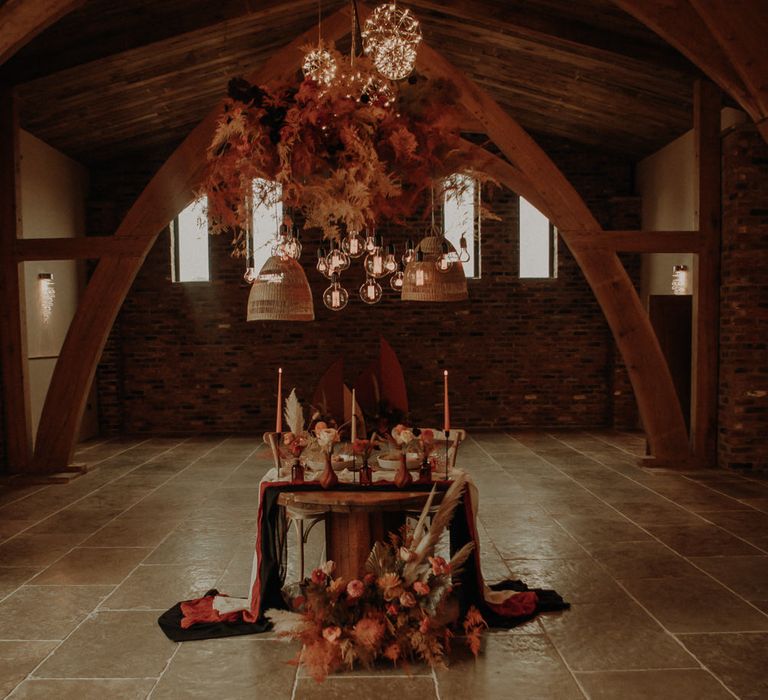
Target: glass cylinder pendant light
[397,280]
[390,262]
[375,262]
[371,291]
[410,252]
[335,297]
[250,270]
[464,253]
[370,242]
[444,260]
[322,263]
[353,244]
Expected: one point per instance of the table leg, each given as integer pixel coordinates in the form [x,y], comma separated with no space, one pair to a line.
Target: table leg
[350,536]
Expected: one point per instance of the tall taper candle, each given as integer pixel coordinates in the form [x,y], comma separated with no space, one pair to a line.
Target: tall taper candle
[279,419]
[354,417]
[446,409]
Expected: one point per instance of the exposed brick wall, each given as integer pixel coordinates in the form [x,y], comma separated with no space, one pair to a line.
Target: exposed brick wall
[521,353]
[743,420]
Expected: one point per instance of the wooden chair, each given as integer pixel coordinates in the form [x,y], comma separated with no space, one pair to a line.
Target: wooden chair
[303,518]
[455,437]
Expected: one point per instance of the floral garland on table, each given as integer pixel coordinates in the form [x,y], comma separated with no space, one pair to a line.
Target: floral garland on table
[400,610]
[347,155]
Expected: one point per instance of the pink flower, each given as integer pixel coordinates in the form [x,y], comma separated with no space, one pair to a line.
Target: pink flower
[332,633]
[355,588]
[407,600]
[424,626]
[421,588]
[439,566]
[318,577]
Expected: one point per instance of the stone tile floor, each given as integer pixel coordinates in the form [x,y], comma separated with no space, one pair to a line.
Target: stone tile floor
[667,573]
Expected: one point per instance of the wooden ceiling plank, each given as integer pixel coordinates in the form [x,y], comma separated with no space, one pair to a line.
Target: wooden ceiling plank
[554,30]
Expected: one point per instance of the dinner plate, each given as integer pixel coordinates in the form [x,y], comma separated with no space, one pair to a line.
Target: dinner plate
[412,461]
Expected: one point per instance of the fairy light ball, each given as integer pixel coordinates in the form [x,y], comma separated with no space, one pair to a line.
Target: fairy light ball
[391,36]
[320,66]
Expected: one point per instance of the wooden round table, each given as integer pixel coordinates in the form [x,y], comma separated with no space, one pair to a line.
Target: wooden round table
[356,519]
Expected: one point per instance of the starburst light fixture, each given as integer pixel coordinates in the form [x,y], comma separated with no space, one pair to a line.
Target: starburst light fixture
[391,37]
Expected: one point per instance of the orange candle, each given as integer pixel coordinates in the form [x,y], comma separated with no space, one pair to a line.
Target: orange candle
[446,408]
[279,420]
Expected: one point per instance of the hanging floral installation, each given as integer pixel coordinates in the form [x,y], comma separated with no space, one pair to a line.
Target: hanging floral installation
[348,147]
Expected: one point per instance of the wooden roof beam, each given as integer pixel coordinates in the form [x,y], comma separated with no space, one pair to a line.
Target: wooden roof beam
[22,20]
[81,248]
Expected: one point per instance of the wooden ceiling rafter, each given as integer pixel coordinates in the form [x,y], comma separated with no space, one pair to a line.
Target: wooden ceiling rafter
[725,38]
[555,81]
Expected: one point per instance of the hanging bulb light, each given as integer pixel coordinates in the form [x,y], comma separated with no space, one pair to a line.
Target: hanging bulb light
[464,252]
[420,277]
[353,244]
[322,263]
[370,242]
[292,244]
[337,259]
[397,280]
[250,270]
[445,259]
[390,262]
[375,265]
[335,297]
[371,291]
[410,252]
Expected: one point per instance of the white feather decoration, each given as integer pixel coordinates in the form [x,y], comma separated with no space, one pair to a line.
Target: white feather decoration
[294,413]
[284,622]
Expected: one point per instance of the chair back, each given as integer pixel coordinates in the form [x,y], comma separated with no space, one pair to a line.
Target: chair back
[455,437]
[271,440]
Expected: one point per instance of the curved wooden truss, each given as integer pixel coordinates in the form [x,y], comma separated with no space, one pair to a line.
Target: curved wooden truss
[528,171]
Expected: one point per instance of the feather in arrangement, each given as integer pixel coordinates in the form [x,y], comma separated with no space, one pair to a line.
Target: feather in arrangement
[425,540]
[294,413]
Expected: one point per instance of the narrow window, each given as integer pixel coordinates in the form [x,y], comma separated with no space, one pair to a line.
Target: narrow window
[461,220]
[189,244]
[538,243]
[267,217]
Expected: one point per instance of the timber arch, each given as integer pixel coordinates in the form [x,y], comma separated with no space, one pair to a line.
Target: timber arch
[539,179]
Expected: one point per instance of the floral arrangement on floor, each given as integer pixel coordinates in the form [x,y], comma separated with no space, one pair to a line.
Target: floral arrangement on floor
[400,610]
[347,155]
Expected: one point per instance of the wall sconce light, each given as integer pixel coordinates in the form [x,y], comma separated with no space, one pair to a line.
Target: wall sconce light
[679,279]
[47,295]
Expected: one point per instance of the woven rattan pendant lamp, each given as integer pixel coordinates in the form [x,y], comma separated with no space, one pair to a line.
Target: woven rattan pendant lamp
[424,282]
[281,292]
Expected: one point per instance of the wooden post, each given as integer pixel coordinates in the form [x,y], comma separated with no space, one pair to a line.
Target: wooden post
[706,300]
[13,330]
